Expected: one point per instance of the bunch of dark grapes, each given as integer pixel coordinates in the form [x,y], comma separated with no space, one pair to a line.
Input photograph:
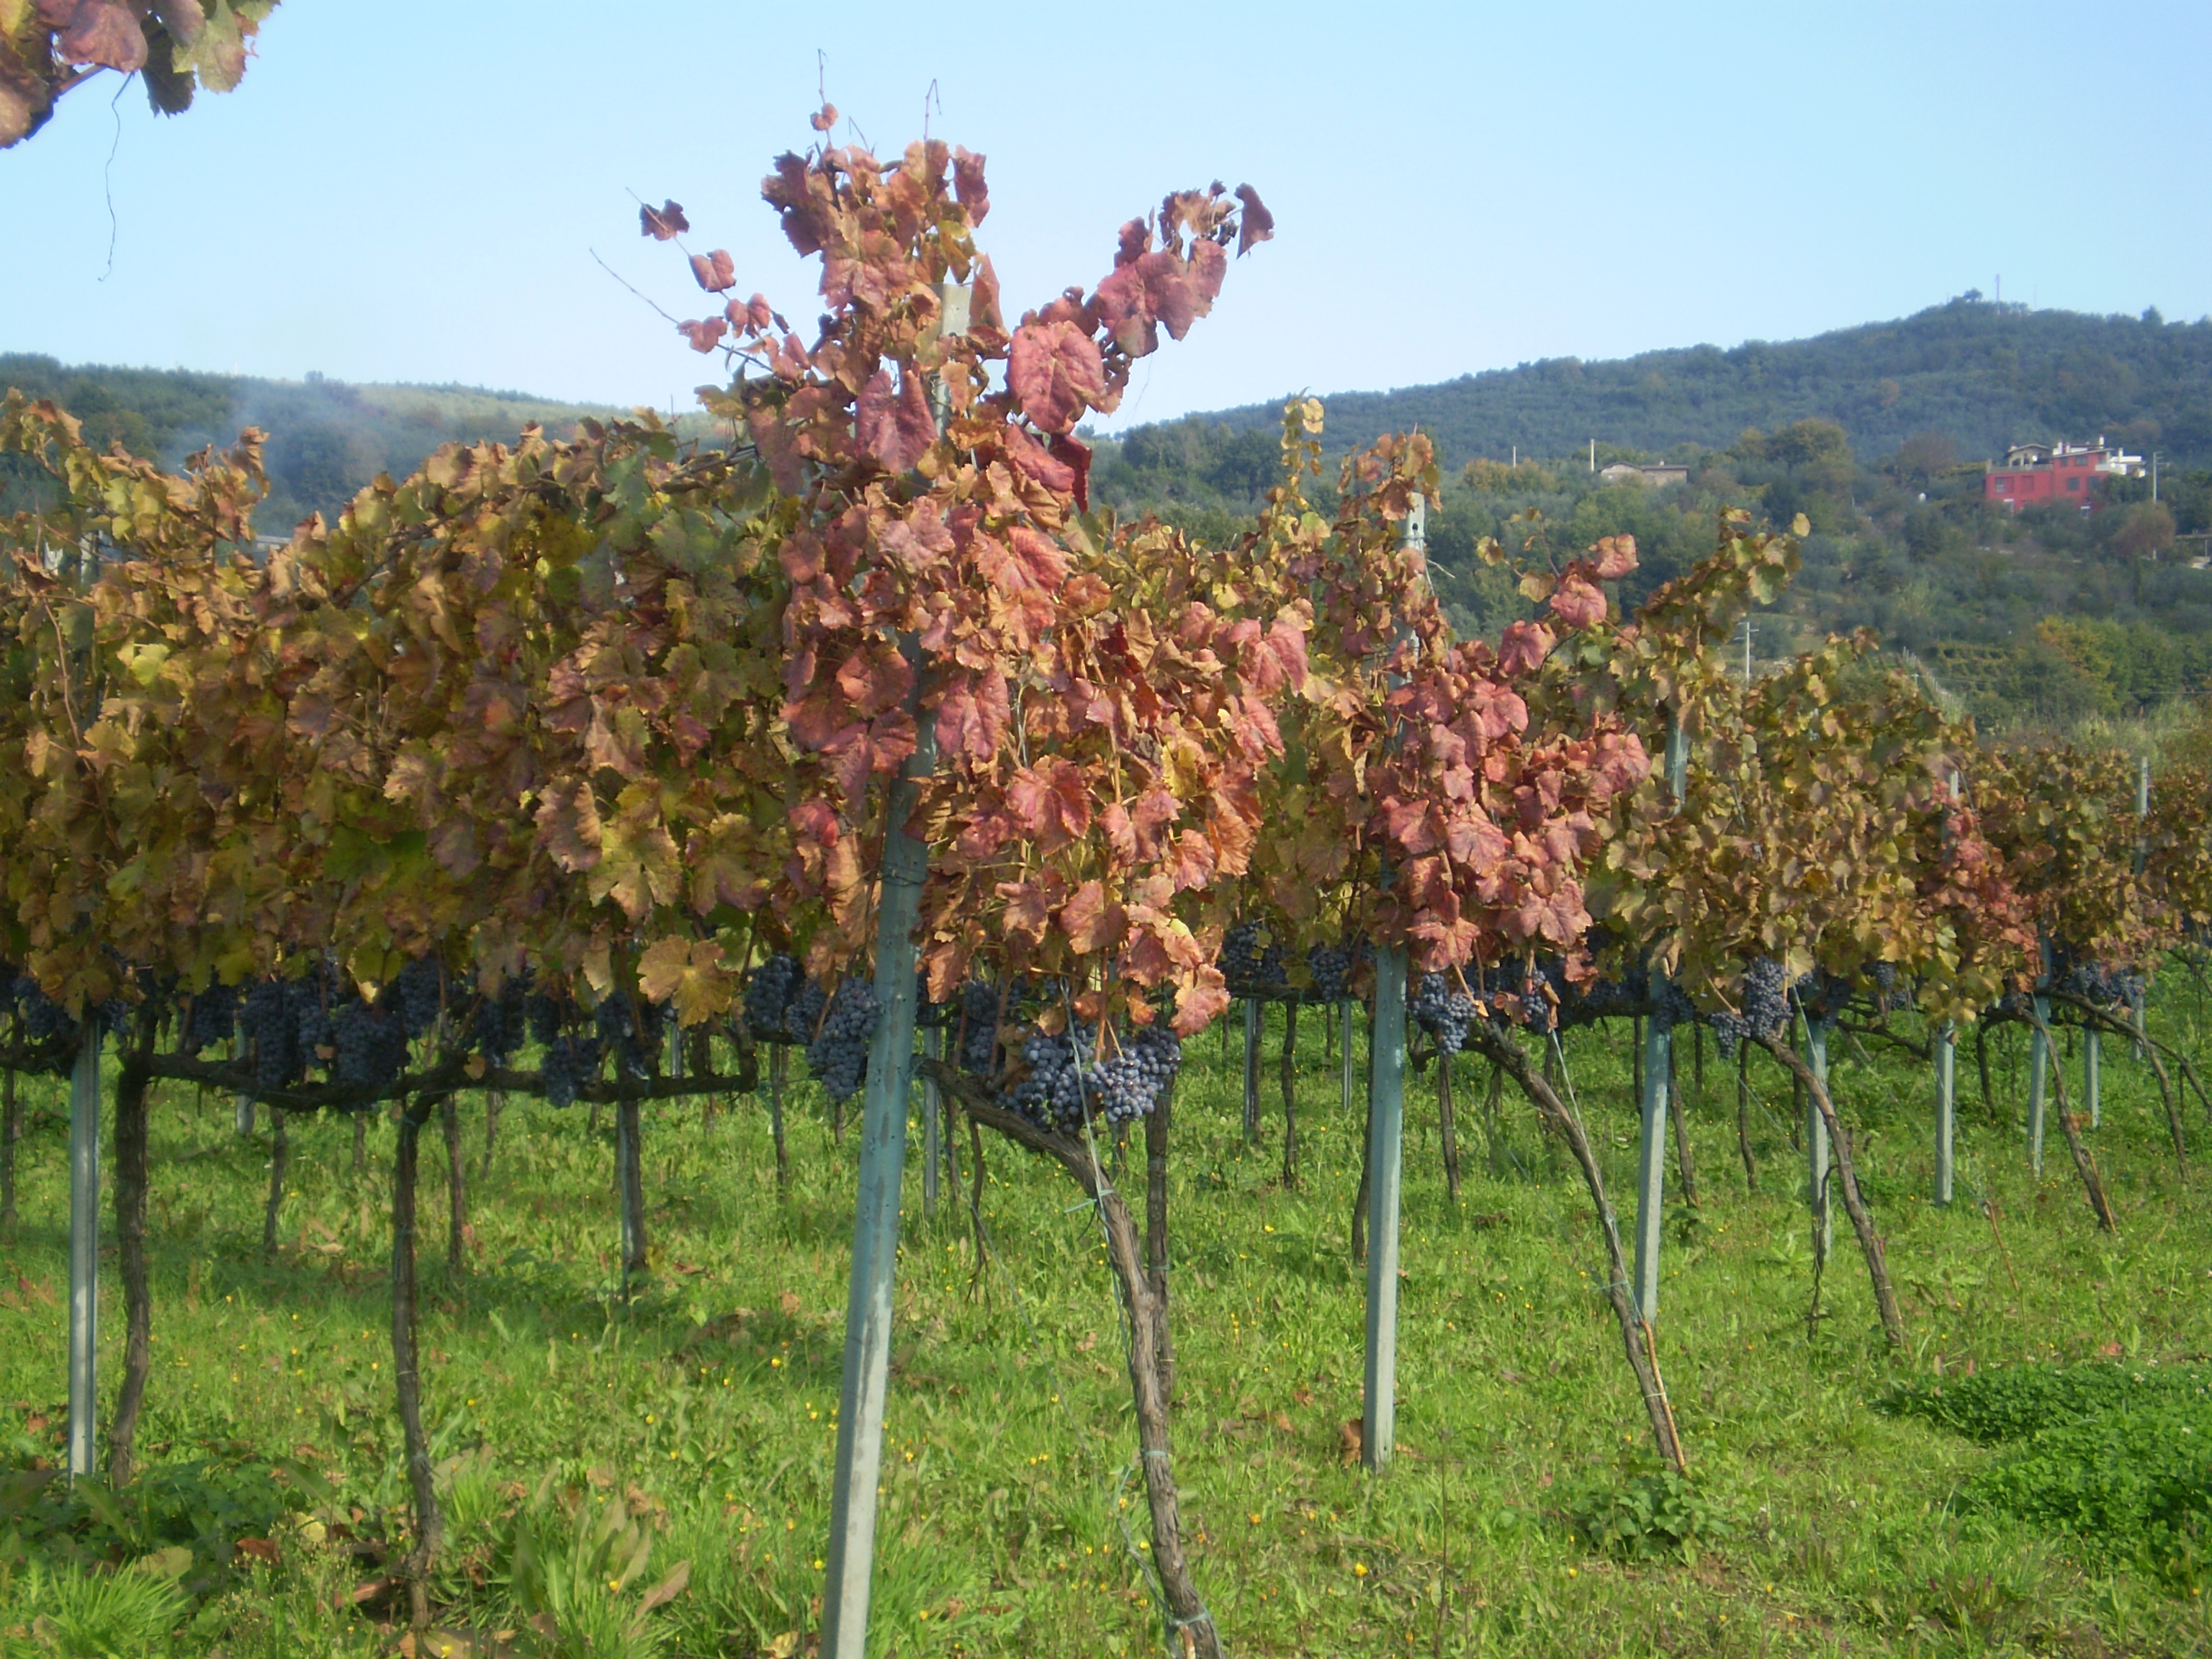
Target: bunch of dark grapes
[547,1015]
[927,1012]
[1050,1092]
[1885,997]
[768,994]
[1444,1011]
[210,1019]
[1131,1084]
[2093,982]
[265,1025]
[44,1020]
[1330,966]
[1251,970]
[803,1012]
[636,1044]
[1765,999]
[498,1024]
[1060,1082]
[1601,999]
[570,1062]
[1669,1004]
[370,1044]
[1541,992]
[1823,996]
[309,998]
[1766,1010]
[838,1054]
[978,1013]
[417,994]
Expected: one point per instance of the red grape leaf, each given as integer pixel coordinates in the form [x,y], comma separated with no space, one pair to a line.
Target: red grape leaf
[1076,456]
[1056,371]
[705,334]
[1577,601]
[1091,922]
[1616,557]
[823,118]
[663,223]
[1525,646]
[104,32]
[893,422]
[715,271]
[1035,460]
[1200,1001]
[968,184]
[972,716]
[1259,224]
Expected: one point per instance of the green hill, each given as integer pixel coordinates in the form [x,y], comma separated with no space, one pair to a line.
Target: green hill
[1982,375]
[326,438]
[1877,433]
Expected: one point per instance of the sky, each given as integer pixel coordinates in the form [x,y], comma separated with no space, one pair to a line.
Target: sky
[408,191]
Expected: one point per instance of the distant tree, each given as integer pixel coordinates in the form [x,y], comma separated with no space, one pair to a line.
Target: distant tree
[2145,529]
[1487,477]
[1809,443]
[49,47]
[1921,458]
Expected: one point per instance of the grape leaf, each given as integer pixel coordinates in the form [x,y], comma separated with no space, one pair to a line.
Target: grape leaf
[705,334]
[893,422]
[715,271]
[103,32]
[688,973]
[1258,224]
[1056,373]
[663,223]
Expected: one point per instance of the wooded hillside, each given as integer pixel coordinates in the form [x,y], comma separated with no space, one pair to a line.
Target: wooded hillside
[1985,375]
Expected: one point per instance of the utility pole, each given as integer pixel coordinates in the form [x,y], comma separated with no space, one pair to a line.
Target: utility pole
[1593,454]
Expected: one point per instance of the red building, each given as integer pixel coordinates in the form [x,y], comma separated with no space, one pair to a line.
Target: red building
[2038,475]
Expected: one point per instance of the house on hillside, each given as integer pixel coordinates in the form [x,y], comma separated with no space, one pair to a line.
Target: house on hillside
[2036,475]
[1622,472]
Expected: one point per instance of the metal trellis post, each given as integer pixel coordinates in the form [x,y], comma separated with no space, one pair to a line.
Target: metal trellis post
[1386,1137]
[1946,1107]
[1658,1081]
[1386,1083]
[1252,1029]
[1816,1142]
[932,1038]
[1350,1069]
[2039,1064]
[1651,1166]
[84,1250]
[2093,1077]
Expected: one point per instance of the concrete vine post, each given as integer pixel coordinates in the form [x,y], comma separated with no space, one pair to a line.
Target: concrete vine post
[84,1249]
[1946,1107]
[1386,1136]
[1655,1082]
[2039,1062]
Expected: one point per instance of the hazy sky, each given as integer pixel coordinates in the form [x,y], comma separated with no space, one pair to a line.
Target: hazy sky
[409,191]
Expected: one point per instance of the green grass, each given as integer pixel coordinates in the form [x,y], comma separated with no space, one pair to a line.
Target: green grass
[612,1441]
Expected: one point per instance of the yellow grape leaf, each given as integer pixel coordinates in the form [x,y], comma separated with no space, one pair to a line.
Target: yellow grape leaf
[688,973]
